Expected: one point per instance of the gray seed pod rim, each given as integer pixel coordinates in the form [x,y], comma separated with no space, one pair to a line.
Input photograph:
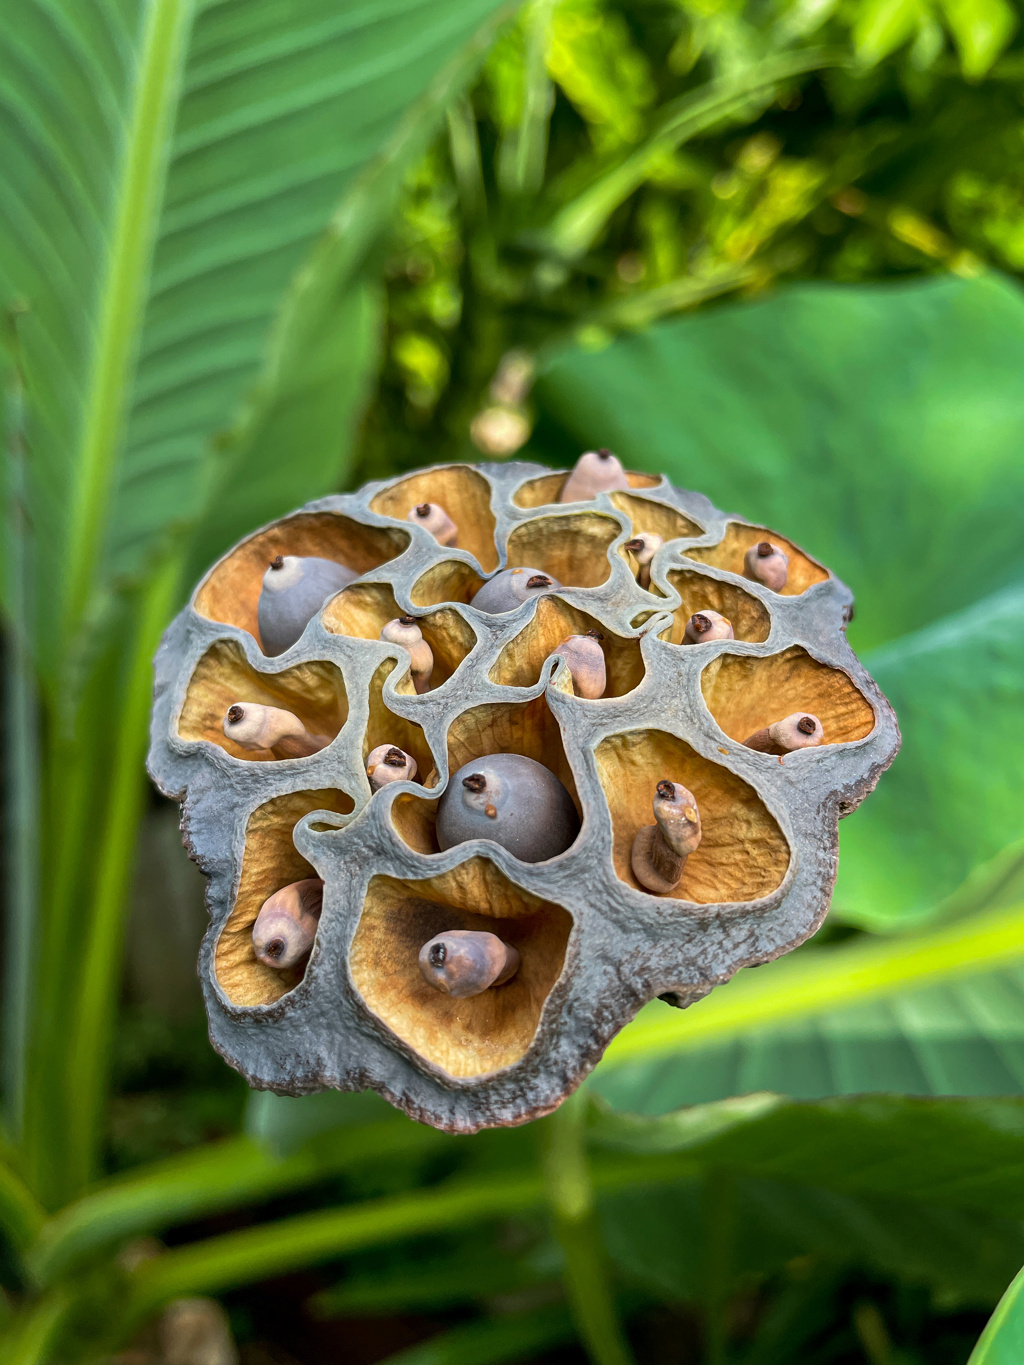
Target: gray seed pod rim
[625,946]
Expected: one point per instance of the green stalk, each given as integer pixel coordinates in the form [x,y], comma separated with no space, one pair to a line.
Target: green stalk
[35,1331]
[100,972]
[524,150]
[570,1194]
[22,761]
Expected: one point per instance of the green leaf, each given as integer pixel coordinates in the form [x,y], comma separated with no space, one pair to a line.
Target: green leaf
[884,25]
[492,1341]
[981,29]
[1002,1342]
[881,428]
[940,1013]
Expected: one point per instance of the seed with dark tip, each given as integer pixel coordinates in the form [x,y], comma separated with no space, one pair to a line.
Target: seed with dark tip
[806,725]
[539,580]
[705,626]
[423,510]
[475,782]
[765,548]
[235,714]
[470,961]
[295,587]
[437,955]
[511,800]
[394,758]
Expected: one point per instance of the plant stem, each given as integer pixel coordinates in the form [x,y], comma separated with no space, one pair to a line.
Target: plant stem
[570,1194]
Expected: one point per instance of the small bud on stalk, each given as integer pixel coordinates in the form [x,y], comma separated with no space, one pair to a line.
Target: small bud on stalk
[801,730]
[405,632]
[643,548]
[253,727]
[466,962]
[286,925]
[660,850]
[767,564]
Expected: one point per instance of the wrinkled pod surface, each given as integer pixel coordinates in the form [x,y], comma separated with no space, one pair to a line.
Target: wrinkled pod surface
[453,961]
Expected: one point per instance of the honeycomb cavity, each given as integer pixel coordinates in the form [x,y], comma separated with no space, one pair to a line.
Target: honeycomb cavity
[363,609]
[527,728]
[745,694]
[743,854]
[465,496]
[728,554]
[270,862]
[520,662]
[469,1037]
[697,592]
[545,490]
[571,547]
[314,691]
[595,945]
[231,590]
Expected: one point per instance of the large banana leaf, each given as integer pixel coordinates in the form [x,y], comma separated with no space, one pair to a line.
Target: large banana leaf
[882,428]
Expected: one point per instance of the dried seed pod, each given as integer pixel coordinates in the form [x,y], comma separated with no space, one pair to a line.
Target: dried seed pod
[404,631]
[594,943]
[295,587]
[643,548]
[467,962]
[707,625]
[660,850]
[435,519]
[286,925]
[596,471]
[512,800]
[388,763]
[584,658]
[801,730]
[511,588]
[269,727]
[767,564]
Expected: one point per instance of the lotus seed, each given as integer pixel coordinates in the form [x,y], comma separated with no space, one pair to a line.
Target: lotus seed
[286,925]
[707,625]
[405,632]
[388,763]
[767,564]
[256,727]
[584,658]
[596,471]
[660,850]
[643,548]
[436,520]
[513,801]
[511,588]
[467,962]
[295,587]
[801,730]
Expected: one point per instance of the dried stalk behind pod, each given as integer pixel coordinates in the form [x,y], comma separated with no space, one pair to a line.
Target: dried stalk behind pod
[589,834]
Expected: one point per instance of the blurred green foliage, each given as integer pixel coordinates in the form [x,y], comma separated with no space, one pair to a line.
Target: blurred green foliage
[251,251]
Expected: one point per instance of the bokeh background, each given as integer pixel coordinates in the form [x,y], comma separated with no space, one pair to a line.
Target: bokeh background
[253,252]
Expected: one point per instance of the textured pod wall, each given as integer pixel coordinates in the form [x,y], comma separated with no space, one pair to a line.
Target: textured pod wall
[697,740]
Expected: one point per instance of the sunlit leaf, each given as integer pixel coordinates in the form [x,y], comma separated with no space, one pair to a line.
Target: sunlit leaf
[1002,1342]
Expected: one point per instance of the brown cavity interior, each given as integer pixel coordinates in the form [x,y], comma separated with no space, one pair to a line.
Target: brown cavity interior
[270,861]
[743,853]
[363,609]
[463,493]
[519,664]
[449,581]
[748,615]
[746,694]
[231,590]
[315,692]
[383,726]
[469,1037]
[544,491]
[728,554]
[572,548]
[528,728]
[654,518]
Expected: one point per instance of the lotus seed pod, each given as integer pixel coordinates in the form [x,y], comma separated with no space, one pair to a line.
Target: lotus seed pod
[584,658]
[295,587]
[435,520]
[467,962]
[512,800]
[643,548]
[660,850]
[596,471]
[704,626]
[387,763]
[767,564]
[405,632]
[801,730]
[286,925]
[511,588]
[268,727]
[581,878]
